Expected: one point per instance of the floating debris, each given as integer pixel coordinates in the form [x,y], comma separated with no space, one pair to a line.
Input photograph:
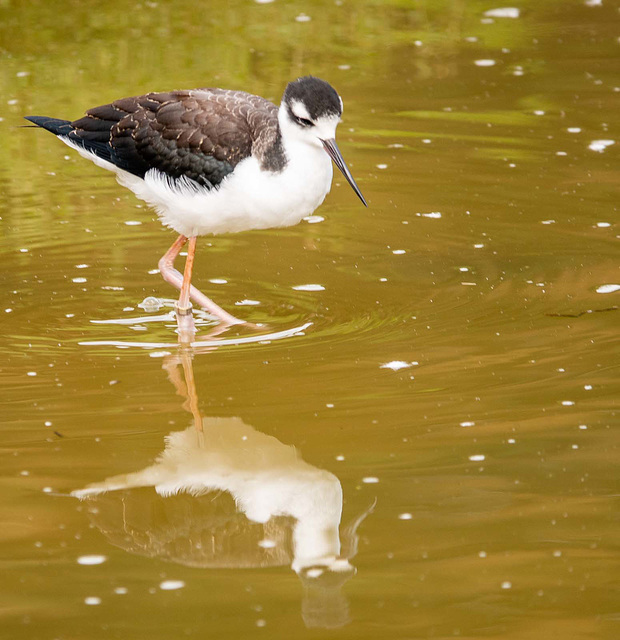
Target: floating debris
[151,304]
[171,585]
[600,145]
[309,287]
[608,288]
[91,560]
[503,12]
[397,365]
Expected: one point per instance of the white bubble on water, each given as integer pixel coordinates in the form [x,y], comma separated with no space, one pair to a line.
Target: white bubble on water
[608,288]
[309,287]
[503,12]
[247,303]
[397,365]
[90,560]
[171,585]
[314,219]
[600,145]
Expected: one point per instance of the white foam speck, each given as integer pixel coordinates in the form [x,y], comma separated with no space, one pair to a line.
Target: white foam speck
[477,457]
[603,225]
[31,373]
[340,458]
[47,489]
[133,223]
[218,281]
[574,129]
[382,166]
[121,591]
[344,67]
[608,288]
[547,222]
[370,480]
[91,560]
[468,423]
[567,403]
[159,354]
[309,287]
[432,214]
[92,600]
[82,266]
[503,12]
[247,303]
[600,145]
[405,516]
[79,280]
[171,585]
[482,554]
[302,17]
[539,112]
[399,252]
[506,585]
[266,544]
[314,219]
[396,365]
[486,62]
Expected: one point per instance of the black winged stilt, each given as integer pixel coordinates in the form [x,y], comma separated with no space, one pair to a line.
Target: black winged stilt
[214,161]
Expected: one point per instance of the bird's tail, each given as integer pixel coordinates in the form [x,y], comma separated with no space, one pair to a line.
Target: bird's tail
[55,125]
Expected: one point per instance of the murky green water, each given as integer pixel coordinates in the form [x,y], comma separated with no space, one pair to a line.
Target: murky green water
[446,421]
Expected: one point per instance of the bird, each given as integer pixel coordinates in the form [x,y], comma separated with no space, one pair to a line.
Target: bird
[212,161]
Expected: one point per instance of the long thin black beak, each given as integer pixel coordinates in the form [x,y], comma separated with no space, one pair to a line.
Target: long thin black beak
[334,153]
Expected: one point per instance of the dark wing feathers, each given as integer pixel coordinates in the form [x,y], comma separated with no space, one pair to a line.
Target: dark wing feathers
[201,134]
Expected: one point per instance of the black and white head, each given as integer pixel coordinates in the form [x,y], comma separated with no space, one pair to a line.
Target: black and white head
[309,113]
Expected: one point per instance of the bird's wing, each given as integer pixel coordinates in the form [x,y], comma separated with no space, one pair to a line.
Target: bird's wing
[201,134]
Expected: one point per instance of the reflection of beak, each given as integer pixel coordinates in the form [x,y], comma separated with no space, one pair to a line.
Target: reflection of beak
[334,153]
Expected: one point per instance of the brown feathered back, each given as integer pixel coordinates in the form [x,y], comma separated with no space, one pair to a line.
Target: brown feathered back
[201,134]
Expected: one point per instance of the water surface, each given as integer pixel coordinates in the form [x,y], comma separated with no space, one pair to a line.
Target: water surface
[444,398]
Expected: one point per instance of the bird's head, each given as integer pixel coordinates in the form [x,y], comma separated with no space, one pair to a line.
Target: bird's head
[309,113]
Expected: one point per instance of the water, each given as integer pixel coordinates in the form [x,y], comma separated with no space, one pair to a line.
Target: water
[439,409]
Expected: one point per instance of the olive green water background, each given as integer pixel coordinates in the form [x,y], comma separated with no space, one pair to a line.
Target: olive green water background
[482,274]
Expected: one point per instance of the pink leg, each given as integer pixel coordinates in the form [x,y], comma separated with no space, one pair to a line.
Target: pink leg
[183,282]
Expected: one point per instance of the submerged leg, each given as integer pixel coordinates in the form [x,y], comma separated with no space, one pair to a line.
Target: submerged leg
[183,282]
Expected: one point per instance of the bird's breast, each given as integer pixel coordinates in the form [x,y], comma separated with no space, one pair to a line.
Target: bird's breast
[248,198]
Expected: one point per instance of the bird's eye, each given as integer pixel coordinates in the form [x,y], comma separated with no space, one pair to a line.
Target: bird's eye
[304,122]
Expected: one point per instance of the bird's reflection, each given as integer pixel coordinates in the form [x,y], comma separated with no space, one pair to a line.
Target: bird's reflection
[227,495]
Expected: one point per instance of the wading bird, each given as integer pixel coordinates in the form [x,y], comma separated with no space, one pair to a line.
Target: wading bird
[214,161]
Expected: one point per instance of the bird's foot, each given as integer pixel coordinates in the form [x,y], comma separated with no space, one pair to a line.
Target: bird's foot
[186,328]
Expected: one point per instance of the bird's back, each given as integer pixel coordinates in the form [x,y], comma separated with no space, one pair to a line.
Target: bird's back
[200,134]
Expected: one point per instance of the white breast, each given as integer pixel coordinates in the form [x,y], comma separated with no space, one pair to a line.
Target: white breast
[248,198]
